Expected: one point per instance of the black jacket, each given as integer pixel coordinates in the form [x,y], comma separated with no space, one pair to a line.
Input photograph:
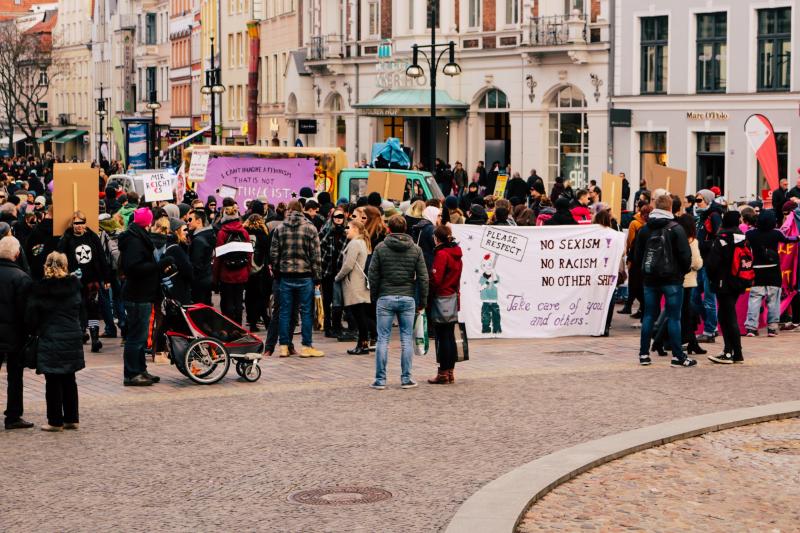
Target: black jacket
[517,188]
[682,254]
[201,251]
[779,197]
[182,279]
[15,286]
[720,261]
[138,264]
[422,235]
[54,306]
[708,225]
[85,252]
[764,240]
[562,217]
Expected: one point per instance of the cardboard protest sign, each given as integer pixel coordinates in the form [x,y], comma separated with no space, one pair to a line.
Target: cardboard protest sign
[158,186]
[612,193]
[669,179]
[500,186]
[390,185]
[75,189]
[245,178]
[199,163]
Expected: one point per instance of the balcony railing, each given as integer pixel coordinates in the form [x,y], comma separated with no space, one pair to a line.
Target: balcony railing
[559,29]
[325,46]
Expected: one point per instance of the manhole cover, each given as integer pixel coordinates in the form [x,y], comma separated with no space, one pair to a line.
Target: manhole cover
[340,496]
[573,353]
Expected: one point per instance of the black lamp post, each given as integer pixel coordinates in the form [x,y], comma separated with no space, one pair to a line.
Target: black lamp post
[101,114]
[154,106]
[213,87]
[450,69]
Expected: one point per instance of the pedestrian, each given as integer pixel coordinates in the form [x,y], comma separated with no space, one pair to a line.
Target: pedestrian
[635,287]
[332,243]
[779,197]
[517,188]
[491,178]
[603,218]
[15,285]
[139,292]
[54,306]
[201,253]
[709,220]
[111,299]
[396,269]
[662,251]
[476,216]
[468,197]
[563,215]
[175,264]
[728,258]
[355,284]
[422,234]
[40,243]
[259,284]
[233,256]
[445,281]
[688,314]
[295,259]
[459,178]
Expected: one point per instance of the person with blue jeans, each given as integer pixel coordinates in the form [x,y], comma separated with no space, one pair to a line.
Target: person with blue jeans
[709,220]
[662,250]
[396,272]
[296,262]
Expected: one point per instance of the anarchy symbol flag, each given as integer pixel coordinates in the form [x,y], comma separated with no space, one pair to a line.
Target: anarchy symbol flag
[761,136]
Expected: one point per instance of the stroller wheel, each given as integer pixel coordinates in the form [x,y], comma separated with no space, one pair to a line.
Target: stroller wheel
[252,372]
[206,361]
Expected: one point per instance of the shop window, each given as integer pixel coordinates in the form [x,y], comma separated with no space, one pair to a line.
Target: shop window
[774,49]
[652,150]
[712,49]
[782,143]
[655,55]
[393,127]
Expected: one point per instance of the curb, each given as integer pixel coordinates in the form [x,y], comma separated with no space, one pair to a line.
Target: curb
[502,503]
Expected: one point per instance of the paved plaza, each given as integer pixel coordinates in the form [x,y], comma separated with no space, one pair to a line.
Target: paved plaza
[179,456]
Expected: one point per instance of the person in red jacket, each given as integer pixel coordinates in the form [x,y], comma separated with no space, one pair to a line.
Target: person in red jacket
[445,281]
[232,260]
[580,208]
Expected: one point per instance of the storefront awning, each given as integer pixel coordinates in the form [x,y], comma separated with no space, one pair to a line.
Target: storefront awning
[70,136]
[411,103]
[188,138]
[50,136]
[17,137]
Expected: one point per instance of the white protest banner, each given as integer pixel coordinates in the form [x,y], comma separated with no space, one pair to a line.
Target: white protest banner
[158,186]
[199,163]
[537,282]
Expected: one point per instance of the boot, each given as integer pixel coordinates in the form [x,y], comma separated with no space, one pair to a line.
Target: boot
[94,333]
[440,379]
[450,377]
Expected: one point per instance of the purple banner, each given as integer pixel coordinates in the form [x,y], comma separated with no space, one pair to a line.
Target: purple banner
[247,178]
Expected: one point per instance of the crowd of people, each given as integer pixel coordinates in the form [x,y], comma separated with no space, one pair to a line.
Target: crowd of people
[371,263]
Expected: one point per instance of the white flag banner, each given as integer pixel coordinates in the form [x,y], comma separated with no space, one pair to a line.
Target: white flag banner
[522,282]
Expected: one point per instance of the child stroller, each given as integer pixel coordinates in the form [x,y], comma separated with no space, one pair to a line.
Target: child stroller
[202,341]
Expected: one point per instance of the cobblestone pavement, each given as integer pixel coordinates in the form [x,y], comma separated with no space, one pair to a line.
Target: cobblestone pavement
[178,456]
[741,479]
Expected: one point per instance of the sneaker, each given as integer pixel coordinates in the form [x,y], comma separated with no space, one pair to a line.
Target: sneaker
[751,333]
[644,359]
[19,424]
[708,338]
[151,377]
[378,385]
[788,326]
[284,350]
[722,359]
[310,351]
[686,361]
[772,332]
[409,385]
[624,311]
[139,380]
[637,315]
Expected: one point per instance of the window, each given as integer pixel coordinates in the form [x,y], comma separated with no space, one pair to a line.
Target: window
[42,113]
[150,82]
[393,127]
[655,61]
[275,77]
[774,49]
[710,160]
[431,4]
[782,142]
[231,50]
[652,150]
[151,29]
[494,99]
[374,19]
[512,11]
[712,49]
[571,5]
[411,15]
[474,14]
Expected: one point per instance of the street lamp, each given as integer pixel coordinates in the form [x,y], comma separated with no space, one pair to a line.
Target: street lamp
[213,87]
[154,106]
[101,114]
[450,69]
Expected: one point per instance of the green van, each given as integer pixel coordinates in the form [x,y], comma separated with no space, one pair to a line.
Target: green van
[353,183]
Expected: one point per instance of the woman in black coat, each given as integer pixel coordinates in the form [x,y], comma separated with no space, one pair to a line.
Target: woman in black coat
[55,305]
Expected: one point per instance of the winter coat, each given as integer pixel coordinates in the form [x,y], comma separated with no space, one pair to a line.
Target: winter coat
[39,245]
[690,279]
[411,222]
[545,214]
[353,273]
[778,199]
[332,244]
[85,253]
[126,213]
[636,224]
[422,234]
[201,254]
[764,241]
[397,267]
[182,279]
[517,188]
[581,214]
[682,254]
[138,264]
[221,273]
[15,285]
[562,217]
[295,249]
[54,306]
[446,272]
[720,261]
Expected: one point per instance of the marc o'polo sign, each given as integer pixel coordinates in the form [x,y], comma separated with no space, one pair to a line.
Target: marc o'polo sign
[504,243]
[707,115]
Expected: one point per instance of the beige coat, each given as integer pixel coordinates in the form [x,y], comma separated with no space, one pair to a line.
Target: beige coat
[353,273]
[690,279]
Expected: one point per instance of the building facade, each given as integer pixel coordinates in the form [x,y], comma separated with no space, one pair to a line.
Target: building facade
[234,52]
[691,73]
[152,56]
[183,58]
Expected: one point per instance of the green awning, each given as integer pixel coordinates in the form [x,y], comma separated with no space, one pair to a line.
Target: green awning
[50,136]
[71,136]
[412,103]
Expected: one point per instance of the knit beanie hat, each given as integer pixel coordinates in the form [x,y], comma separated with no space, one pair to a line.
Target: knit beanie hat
[143,217]
[172,211]
[306,192]
[707,195]
[731,219]
[451,202]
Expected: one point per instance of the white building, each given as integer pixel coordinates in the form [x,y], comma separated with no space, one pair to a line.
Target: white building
[532,92]
[691,73]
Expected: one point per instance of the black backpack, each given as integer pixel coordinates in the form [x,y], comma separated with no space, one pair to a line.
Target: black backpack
[236,260]
[658,259]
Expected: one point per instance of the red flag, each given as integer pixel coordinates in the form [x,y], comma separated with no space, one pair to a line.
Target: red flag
[759,132]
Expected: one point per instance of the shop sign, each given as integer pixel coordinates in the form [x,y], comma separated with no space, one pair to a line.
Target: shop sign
[707,115]
[308,127]
[621,118]
[392,71]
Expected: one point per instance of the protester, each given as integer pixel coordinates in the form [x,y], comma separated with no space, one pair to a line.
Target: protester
[635,288]
[233,256]
[563,215]
[779,197]
[15,286]
[111,299]
[517,188]
[688,315]
[445,281]
[396,269]
[175,264]
[201,252]
[259,284]
[355,284]
[709,219]
[603,218]
[476,216]
[546,211]
[332,243]
[40,243]
[295,259]
[54,306]
[662,251]
[557,190]
[422,233]
[459,178]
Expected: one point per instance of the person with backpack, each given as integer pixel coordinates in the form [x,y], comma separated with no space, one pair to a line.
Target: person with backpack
[709,220]
[730,273]
[110,299]
[663,254]
[232,260]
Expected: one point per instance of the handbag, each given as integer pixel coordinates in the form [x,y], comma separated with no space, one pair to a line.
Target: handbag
[366,278]
[444,309]
[462,343]
[30,352]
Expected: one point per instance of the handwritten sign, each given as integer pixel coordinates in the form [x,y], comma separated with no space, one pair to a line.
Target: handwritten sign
[504,243]
[158,186]
[199,163]
[250,177]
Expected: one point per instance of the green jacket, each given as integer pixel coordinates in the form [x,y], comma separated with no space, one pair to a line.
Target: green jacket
[396,268]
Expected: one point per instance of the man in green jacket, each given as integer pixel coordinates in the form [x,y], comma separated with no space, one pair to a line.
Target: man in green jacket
[396,268]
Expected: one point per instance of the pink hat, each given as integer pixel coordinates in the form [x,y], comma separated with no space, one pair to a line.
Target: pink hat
[143,217]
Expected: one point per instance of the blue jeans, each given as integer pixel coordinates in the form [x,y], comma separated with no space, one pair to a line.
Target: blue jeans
[138,315]
[757,295]
[404,308]
[705,303]
[296,290]
[673,294]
